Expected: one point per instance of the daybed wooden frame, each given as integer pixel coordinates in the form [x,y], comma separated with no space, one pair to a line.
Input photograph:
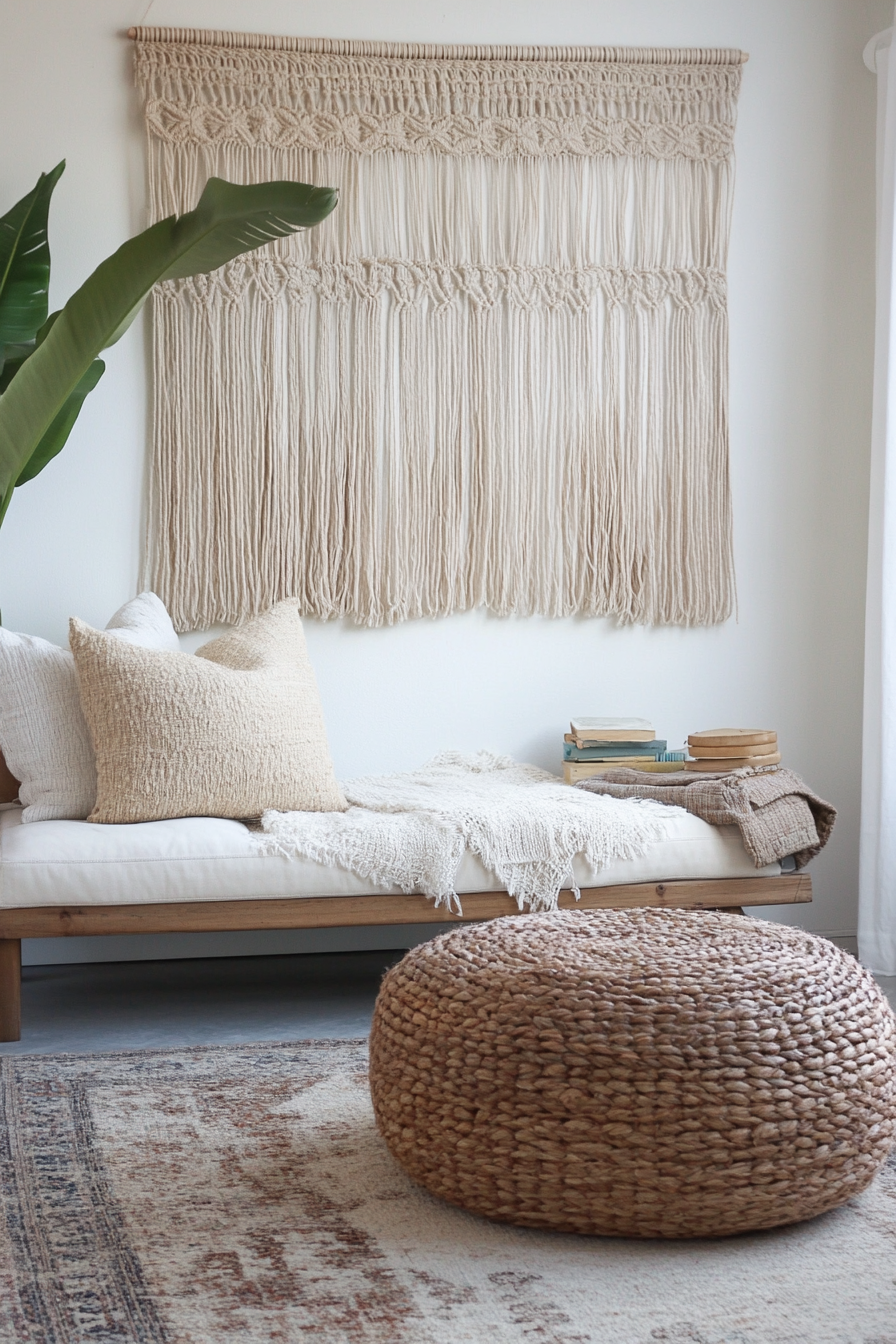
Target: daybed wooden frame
[329,912]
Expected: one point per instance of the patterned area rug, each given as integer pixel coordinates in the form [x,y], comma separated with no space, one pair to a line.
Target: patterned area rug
[242,1193]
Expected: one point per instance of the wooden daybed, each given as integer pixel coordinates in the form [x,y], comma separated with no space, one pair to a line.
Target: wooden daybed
[73,919]
[344,911]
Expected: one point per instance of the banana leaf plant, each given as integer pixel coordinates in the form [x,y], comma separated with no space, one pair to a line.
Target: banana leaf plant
[24,274]
[48,365]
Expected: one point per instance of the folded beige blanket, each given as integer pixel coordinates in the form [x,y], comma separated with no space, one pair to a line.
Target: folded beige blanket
[778,814]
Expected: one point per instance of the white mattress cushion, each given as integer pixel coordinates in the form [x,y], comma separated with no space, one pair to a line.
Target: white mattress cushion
[211,859]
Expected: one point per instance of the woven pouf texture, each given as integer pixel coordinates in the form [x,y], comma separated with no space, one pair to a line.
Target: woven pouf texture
[647,1073]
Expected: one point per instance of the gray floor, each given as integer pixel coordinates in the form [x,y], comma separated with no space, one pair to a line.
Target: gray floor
[220,1000]
[217,1001]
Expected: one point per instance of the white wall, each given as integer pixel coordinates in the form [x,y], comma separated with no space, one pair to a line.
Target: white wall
[801,275]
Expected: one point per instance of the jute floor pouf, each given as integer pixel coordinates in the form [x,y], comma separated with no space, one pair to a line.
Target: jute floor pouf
[645,1073]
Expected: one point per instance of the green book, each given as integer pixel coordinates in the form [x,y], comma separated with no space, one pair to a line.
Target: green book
[608,751]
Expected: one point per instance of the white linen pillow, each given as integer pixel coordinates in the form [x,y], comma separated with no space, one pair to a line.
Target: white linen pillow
[43,734]
[145,621]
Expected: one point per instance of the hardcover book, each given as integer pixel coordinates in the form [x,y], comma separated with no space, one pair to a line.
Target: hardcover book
[612,730]
[573,771]
[608,751]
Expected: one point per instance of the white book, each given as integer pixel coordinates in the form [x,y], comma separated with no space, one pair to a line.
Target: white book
[613,730]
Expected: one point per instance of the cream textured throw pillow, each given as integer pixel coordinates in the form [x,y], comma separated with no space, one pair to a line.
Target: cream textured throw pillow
[42,731]
[228,732]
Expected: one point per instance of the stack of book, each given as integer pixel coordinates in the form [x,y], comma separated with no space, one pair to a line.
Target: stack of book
[732,748]
[593,746]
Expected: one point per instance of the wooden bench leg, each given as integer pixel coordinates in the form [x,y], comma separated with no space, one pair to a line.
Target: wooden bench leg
[10,989]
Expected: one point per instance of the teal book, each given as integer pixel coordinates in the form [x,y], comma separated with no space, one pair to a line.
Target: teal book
[608,751]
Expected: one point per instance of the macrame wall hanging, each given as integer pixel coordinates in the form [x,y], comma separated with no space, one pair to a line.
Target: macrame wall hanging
[496,376]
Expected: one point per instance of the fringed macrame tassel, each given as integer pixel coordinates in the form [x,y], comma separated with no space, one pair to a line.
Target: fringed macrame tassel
[530,460]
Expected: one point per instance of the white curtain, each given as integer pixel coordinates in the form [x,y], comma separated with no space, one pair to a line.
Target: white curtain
[877,865]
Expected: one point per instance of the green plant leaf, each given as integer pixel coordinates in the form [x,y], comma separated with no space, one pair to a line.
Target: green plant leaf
[53,441]
[25,262]
[231,219]
[228,221]
[12,357]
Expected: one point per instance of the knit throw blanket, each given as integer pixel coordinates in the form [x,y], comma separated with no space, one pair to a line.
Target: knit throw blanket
[776,811]
[411,830]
